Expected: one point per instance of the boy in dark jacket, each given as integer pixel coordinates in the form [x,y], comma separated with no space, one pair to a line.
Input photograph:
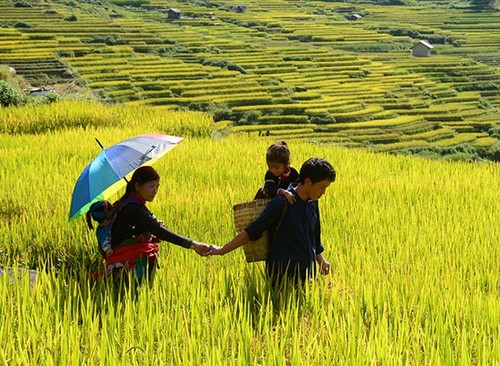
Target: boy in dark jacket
[296,247]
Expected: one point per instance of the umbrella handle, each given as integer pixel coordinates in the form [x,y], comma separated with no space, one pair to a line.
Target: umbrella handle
[99,142]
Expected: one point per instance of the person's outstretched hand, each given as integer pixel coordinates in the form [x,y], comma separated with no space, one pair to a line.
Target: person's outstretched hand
[201,248]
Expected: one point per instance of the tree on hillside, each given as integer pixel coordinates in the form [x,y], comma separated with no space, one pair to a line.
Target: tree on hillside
[484,4]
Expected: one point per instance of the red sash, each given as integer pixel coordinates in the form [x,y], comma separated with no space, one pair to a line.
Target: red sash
[129,253]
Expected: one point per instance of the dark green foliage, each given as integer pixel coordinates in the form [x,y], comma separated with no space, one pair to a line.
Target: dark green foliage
[109,40]
[462,152]
[431,37]
[9,96]
[270,81]
[49,98]
[224,63]
[322,119]
[22,4]
[301,38]
[297,58]
[477,87]
[169,41]
[22,25]
[485,104]
[494,152]
[143,49]
[133,3]
[71,18]
[250,118]
[494,132]
[220,112]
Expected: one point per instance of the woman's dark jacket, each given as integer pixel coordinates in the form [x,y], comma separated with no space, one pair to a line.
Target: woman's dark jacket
[135,221]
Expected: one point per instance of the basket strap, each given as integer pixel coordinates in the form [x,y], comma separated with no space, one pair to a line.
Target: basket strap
[281,219]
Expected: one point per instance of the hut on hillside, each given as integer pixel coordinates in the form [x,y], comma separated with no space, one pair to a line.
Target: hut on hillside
[422,49]
[174,13]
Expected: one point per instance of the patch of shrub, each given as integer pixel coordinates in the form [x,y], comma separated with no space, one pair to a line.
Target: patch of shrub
[220,112]
[22,25]
[131,3]
[493,153]
[477,87]
[297,58]
[322,119]
[250,118]
[494,132]
[224,63]
[49,98]
[109,40]
[71,18]
[22,4]
[9,96]
[143,49]
[485,104]
[269,81]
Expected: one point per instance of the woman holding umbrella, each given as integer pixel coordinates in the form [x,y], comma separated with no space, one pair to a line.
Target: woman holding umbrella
[136,232]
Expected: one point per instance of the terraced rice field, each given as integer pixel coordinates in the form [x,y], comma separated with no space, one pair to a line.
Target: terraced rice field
[278,62]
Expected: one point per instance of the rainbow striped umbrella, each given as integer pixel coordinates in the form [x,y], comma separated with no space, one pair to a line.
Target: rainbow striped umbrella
[106,174]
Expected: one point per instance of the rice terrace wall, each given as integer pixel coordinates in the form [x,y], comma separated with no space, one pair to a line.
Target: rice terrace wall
[305,70]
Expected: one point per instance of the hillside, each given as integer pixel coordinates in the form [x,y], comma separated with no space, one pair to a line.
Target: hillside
[318,71]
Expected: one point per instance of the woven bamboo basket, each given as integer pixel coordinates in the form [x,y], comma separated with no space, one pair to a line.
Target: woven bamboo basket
[244,214]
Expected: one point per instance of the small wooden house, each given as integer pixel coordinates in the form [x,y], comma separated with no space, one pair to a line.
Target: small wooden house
[174,13]
[422,49]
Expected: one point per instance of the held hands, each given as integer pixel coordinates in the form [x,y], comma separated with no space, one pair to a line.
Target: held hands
[201,248]
[206,250]
[215,250]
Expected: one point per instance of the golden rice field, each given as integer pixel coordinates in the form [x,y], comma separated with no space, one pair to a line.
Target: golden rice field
[413,244]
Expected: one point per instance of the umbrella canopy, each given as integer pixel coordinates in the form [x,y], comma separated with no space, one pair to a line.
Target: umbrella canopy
[105,175]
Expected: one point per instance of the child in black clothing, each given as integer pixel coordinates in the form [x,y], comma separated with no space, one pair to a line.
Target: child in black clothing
[279,174]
